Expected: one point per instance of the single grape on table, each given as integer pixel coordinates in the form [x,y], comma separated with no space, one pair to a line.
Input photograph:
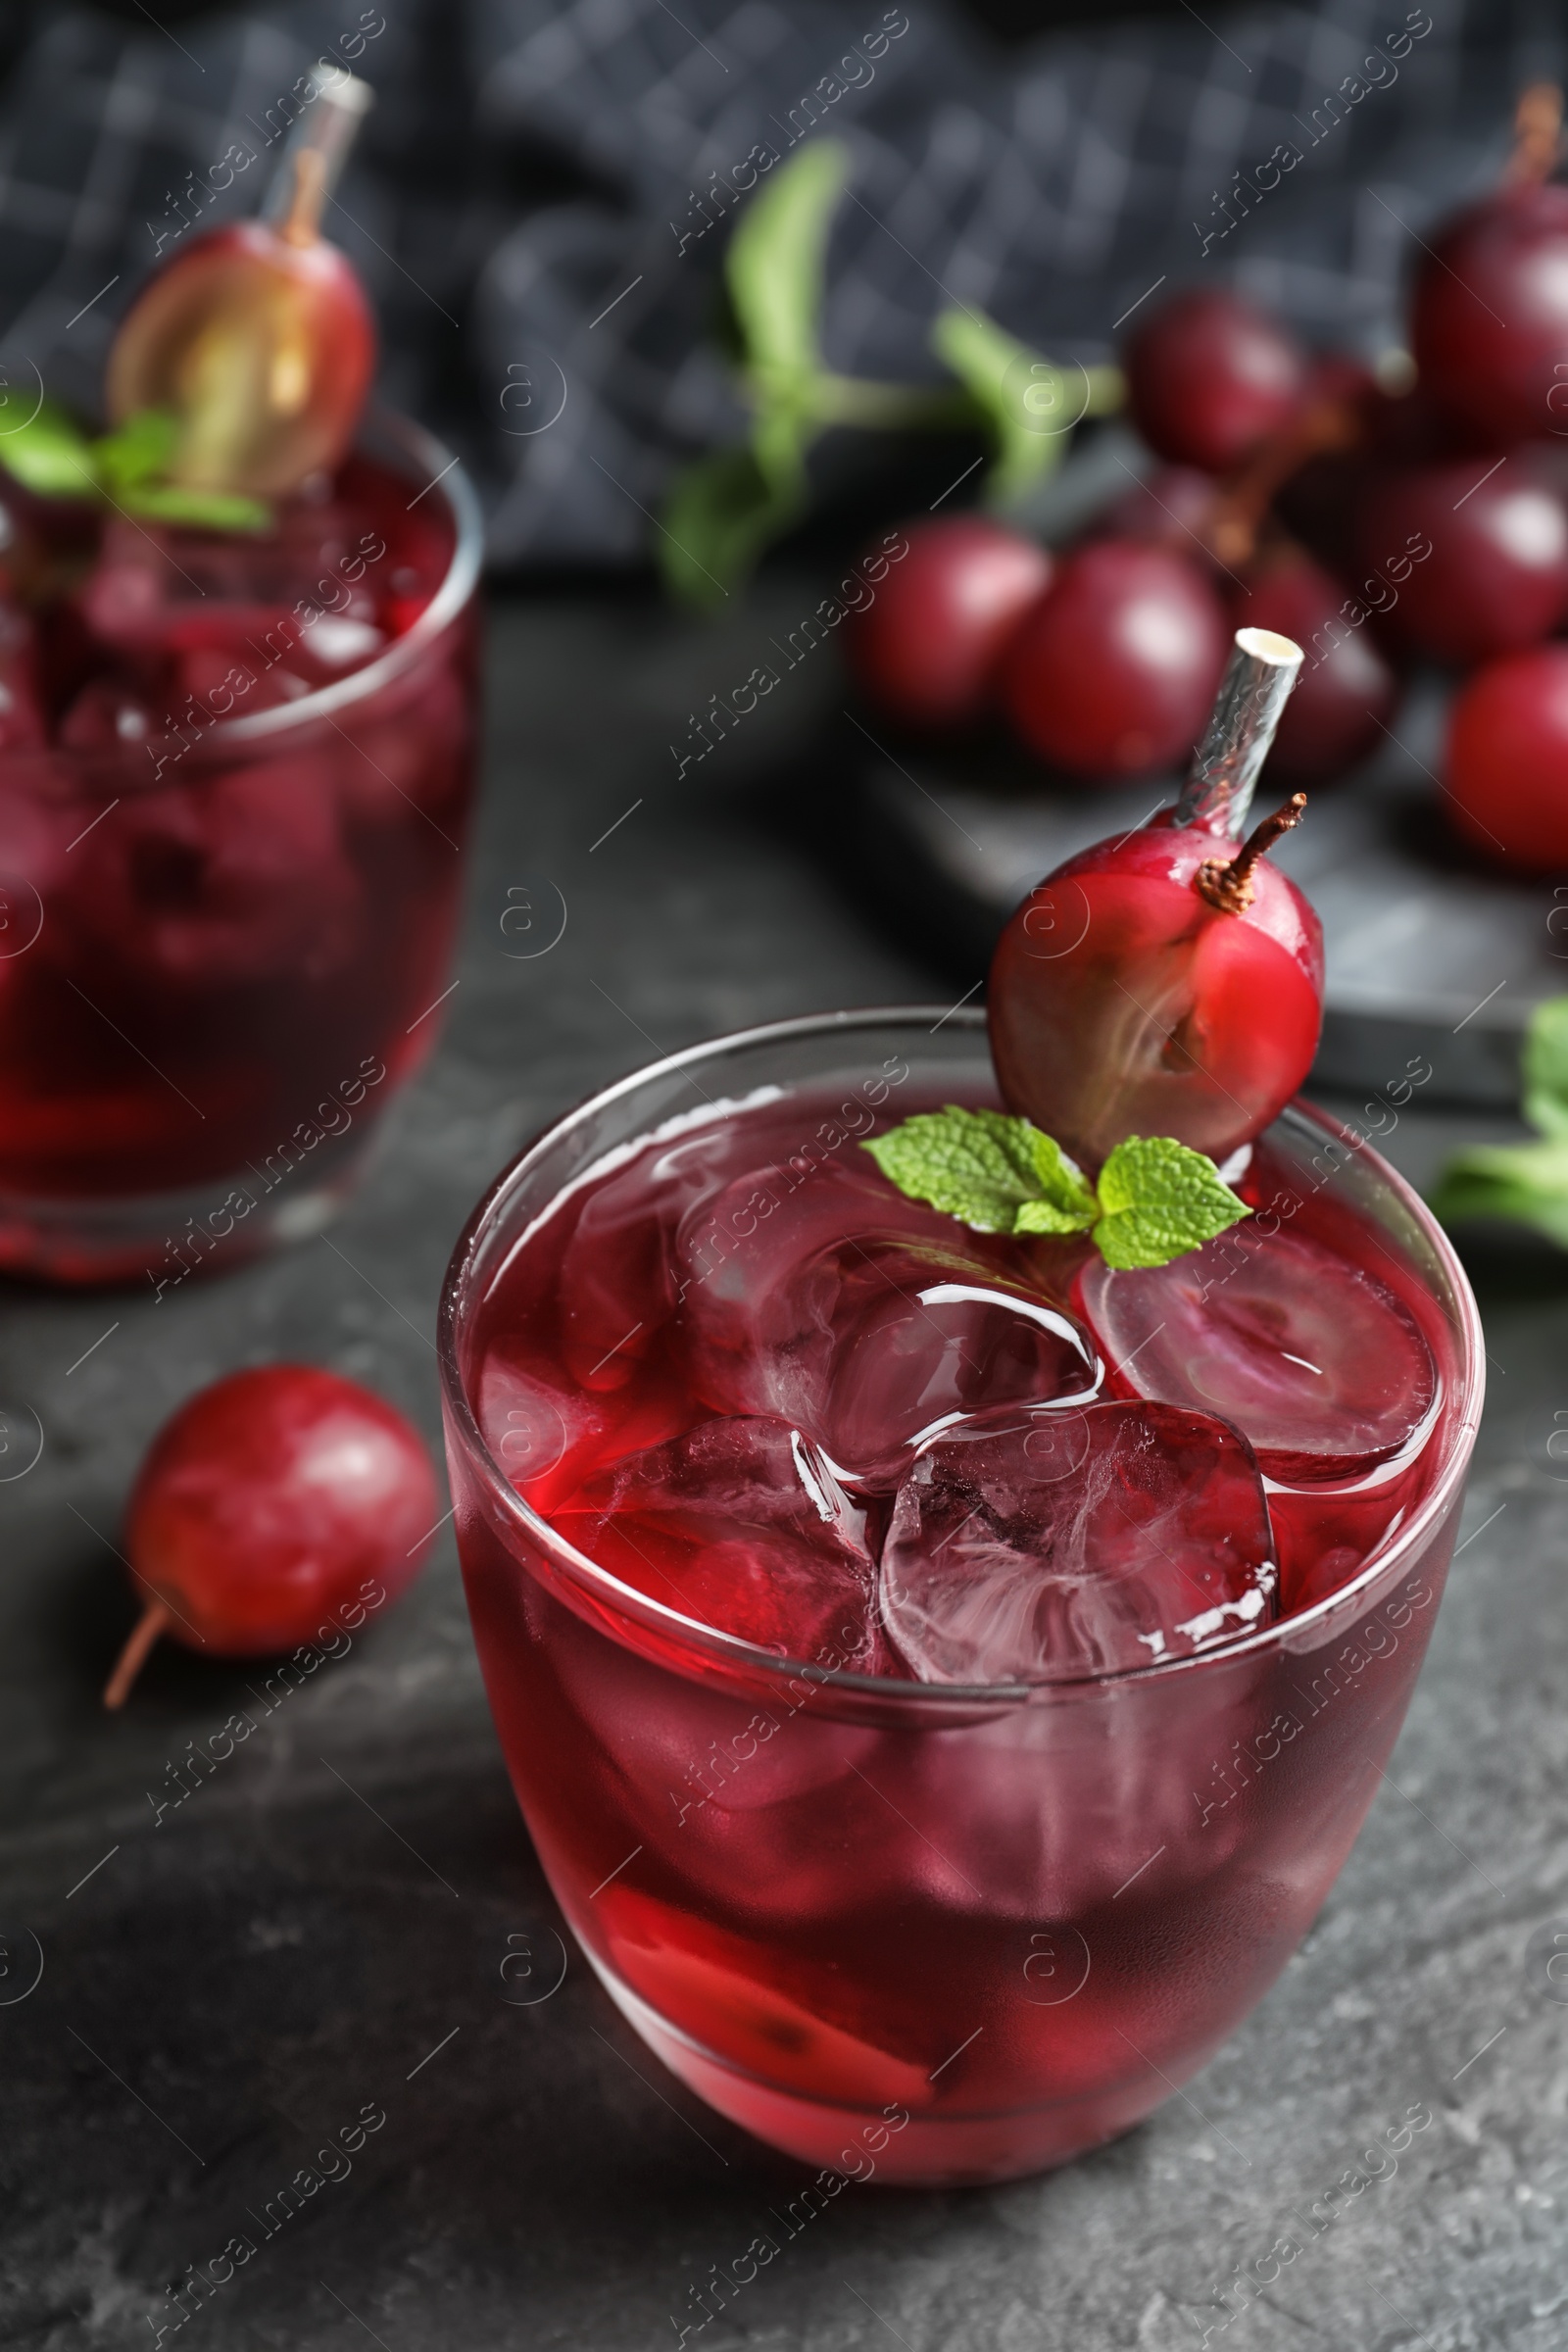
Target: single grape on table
[268,1500]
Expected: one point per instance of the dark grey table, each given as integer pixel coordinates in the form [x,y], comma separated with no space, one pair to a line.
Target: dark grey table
[319,1932]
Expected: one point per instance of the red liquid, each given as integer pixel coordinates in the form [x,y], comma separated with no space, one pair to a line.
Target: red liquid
[991,1932]
[216,951]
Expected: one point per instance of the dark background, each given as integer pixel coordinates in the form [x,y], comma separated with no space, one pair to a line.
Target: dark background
[517,194]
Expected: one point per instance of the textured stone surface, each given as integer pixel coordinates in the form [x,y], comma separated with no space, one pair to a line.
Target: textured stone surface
[333,1905]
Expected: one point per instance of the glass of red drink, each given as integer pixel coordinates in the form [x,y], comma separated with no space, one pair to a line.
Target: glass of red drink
[897,1922]
[235,778]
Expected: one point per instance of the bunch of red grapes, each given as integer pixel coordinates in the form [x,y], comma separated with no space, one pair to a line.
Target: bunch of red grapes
[1378,521]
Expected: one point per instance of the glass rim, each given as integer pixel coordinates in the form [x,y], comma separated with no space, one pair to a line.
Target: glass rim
[220,736]
[708,1642]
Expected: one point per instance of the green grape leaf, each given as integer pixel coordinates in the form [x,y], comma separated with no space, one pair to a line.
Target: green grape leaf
[993,1171]
[721,514]
[1544,1064]
[1159,1199]
[773,266]
[137,451]
[48,454]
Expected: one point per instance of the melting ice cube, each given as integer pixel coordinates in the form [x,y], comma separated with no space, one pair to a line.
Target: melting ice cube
[912,1355]
[245,881]
[617,1286]
[741,1524]
[159,587]
[1046,1547]
[537,1429]
[870,1323]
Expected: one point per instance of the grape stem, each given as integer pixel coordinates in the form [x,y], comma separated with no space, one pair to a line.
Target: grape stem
[1237,516]
[152,1622]
[1227,883]
[1536,135]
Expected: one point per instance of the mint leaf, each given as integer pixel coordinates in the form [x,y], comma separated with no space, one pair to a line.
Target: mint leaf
[1066,1202]
[208,510]
[985,1167]
[724,509]
[720,516]
[133,462]
[1028,405]
[1525,1182]
[998,372]
[773,265]
[50,457]
[1544,1065]
[137,450]
[47,453]
[1158,1199]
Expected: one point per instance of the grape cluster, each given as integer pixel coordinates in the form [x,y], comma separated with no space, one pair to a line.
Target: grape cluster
[1418,513]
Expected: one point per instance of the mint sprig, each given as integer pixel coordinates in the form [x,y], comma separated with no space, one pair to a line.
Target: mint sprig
[1545,1067]
[50,456]
[1155,1199]
[1028,405]
[725,509]
[1523,1184]
[1159,1199]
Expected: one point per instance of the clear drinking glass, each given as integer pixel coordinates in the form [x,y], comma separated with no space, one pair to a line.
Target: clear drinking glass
[904,1929]
[223,946]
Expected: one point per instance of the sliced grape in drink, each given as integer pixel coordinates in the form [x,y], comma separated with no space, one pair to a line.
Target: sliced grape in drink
[1322,1368]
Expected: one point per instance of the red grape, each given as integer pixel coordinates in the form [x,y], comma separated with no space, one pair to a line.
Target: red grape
[270,1499]
[1496,573]
[1412,429]
[1344,689]
[1488,320]
[1506,767]
[1114,672]
[1171,509]
[262,341]
[1208,379]
[927,649]
[1123,1002]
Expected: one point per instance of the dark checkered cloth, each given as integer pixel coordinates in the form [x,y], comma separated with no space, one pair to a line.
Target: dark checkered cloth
[531,201]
